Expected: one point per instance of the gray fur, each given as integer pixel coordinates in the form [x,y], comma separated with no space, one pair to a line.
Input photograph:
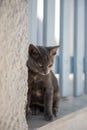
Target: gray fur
[43,90]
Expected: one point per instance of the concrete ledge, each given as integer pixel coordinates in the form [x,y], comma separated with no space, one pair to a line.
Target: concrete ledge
[69,109]
[75,121]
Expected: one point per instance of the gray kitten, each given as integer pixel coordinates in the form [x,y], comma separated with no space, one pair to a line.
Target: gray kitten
[43,90]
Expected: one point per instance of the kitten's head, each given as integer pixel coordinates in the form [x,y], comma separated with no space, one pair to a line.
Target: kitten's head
[41,58]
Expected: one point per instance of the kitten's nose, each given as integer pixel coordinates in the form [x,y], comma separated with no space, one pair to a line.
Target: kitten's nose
[45,71]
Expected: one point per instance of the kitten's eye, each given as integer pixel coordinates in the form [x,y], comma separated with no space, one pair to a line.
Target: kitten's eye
[50,65]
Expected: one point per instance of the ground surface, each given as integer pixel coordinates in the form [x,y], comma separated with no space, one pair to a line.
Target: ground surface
[67,106]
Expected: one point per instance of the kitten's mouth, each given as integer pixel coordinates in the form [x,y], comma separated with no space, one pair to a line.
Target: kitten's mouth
[43,73]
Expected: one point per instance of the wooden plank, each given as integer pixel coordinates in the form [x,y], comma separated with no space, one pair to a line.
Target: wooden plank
[79,8]
[85,46]
[49,22]
[32,21]
[64,59]
[56,64]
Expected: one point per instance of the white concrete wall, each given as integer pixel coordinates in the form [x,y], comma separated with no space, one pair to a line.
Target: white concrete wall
[13,71]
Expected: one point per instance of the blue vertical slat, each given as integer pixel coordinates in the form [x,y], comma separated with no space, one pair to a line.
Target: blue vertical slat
[64,49]
[78,46]
[32,21]
[49,22]
[85,46]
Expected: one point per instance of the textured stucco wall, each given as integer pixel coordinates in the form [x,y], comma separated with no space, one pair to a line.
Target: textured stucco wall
[13,71]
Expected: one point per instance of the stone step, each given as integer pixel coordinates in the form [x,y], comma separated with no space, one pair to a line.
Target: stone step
[75,121]
[71,111]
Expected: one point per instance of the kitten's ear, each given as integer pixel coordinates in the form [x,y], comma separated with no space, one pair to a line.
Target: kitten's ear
[33,51]
[53,50]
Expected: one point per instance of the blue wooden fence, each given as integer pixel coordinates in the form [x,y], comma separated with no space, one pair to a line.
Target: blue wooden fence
[65,64]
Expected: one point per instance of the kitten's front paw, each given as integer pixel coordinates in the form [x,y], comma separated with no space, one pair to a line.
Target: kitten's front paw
[55,111]
[48,117]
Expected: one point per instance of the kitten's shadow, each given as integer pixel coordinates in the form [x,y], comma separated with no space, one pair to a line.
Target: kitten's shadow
[36,121]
